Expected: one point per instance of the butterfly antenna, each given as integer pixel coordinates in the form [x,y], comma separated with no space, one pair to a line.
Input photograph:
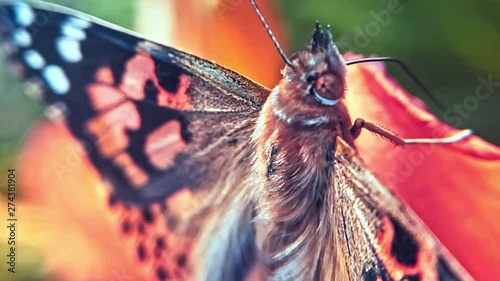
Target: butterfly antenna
[408,71]
[273,38]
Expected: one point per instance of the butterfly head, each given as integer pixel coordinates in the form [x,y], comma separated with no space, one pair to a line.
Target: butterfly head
[318,71]
[314,81]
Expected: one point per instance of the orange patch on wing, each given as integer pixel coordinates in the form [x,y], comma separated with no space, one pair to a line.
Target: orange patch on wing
[180,99]
[141,69]
[103,96]
[138,71]
[425,265]
[105,75]
[134,173]
[163,144]
[162,251]
[182,203]
[109,128]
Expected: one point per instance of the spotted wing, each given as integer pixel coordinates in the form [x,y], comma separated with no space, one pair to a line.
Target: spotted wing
[380,238]
[150,116]
[162,127]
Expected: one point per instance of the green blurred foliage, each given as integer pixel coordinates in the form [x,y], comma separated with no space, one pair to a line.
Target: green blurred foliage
[449,44]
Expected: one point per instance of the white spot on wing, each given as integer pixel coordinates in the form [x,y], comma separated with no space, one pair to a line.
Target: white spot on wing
[56,79]
[34,88]
[56,112]
[73,32]
[23,14]
[79,23]
[69,49]
[21,37]
[33,59]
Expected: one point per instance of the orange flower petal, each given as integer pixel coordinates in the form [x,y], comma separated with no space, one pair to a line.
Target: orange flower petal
[226,31]
[453,188]
[64,211]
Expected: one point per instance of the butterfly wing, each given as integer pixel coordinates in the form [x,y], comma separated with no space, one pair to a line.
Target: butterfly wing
[148,115]
[161,127]
[381,239]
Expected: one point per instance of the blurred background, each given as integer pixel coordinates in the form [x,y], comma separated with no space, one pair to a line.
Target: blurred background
[453,46]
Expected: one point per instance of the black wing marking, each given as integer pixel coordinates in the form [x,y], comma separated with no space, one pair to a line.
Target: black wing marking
[381,239]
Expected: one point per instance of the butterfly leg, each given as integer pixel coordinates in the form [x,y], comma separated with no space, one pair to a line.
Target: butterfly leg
[360,124]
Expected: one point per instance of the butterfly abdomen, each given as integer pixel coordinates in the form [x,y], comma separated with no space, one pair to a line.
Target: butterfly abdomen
[294,200]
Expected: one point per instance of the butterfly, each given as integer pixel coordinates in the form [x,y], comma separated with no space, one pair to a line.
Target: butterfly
[219,176]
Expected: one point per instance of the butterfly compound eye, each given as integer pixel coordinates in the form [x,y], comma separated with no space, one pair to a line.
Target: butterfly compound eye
[328,89]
